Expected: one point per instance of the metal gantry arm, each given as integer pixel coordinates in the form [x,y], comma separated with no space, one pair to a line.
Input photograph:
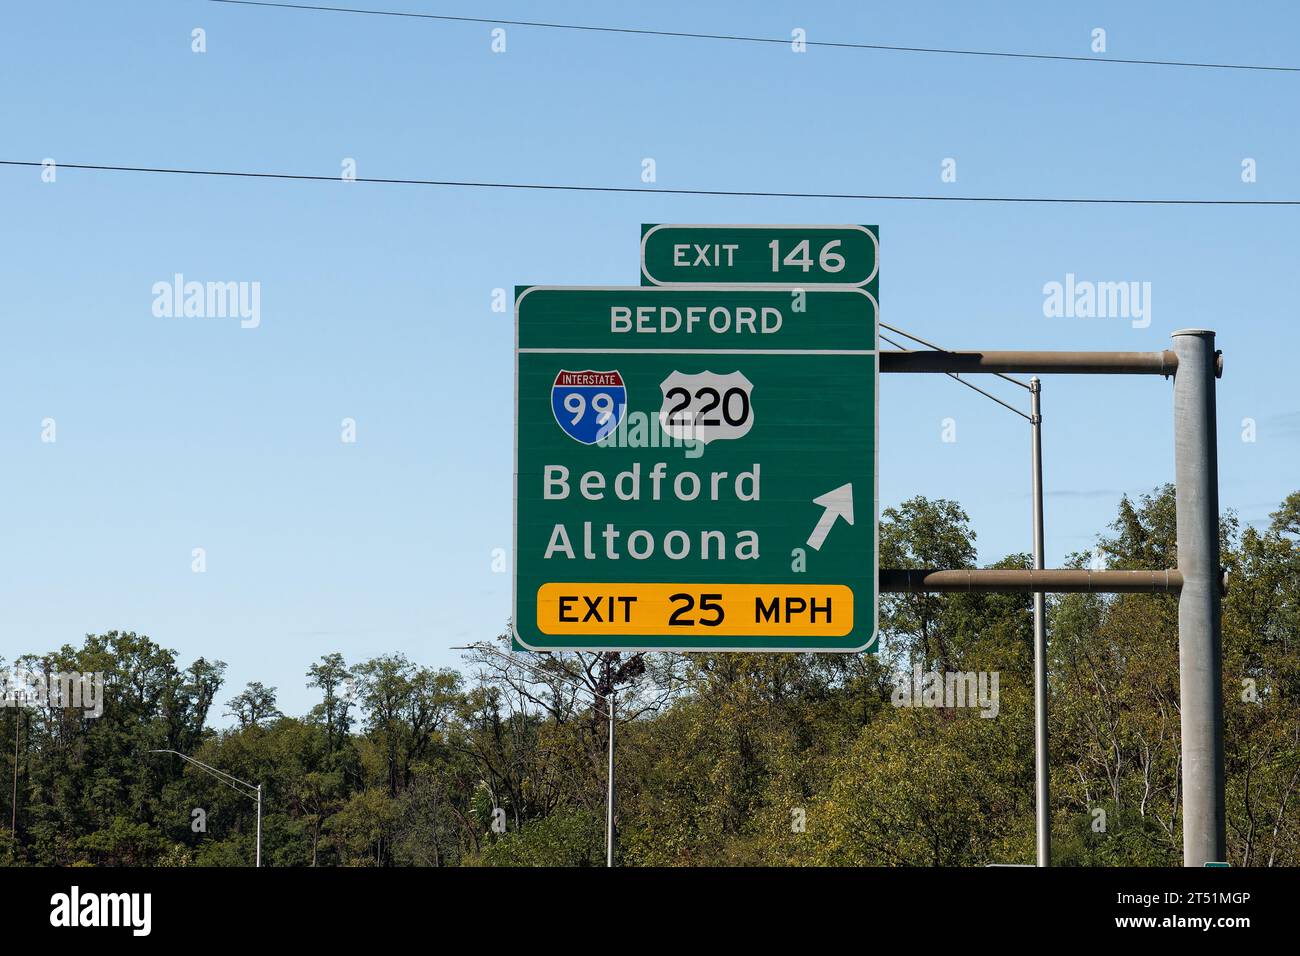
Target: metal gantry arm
[955,376]
[1060,363]
[243,787]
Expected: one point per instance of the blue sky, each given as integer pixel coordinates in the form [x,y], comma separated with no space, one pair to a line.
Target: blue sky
[376,300]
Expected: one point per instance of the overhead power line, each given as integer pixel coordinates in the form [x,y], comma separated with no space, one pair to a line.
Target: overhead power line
[742,38]
[655,191]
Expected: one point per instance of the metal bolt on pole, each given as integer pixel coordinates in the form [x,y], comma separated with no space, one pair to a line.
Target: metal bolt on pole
[1042,815]
[1200,653]
[609,795]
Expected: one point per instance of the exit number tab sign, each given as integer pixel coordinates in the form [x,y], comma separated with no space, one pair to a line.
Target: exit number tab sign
[842,256]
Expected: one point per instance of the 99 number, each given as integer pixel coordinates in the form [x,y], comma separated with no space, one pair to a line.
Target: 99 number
[602,403]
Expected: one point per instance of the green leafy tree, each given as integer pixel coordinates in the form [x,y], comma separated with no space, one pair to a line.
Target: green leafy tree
[254,705]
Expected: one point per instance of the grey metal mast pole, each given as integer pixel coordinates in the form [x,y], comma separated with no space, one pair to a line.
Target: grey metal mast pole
[609,794]
[1200,657]
[1042,800]
[259,825]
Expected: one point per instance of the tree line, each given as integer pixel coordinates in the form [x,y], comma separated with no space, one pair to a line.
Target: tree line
[729,759]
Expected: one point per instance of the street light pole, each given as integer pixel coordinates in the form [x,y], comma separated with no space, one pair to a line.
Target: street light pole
[609,795]
[259,825]
[1042,815]
[13,823]
[252,791]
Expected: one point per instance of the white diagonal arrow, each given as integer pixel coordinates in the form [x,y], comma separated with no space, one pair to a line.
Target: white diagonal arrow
[838,504]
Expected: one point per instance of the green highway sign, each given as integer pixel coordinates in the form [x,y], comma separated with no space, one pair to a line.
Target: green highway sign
[695,469]
[674,255]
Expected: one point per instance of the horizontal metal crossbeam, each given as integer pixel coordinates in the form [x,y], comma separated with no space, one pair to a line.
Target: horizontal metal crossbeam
[1072,363]
[1051,580]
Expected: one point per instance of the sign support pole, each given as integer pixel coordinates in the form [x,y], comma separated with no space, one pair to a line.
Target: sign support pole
[1200,660]
[1042,812]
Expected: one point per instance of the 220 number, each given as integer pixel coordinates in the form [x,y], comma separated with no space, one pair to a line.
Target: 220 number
[734,403]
